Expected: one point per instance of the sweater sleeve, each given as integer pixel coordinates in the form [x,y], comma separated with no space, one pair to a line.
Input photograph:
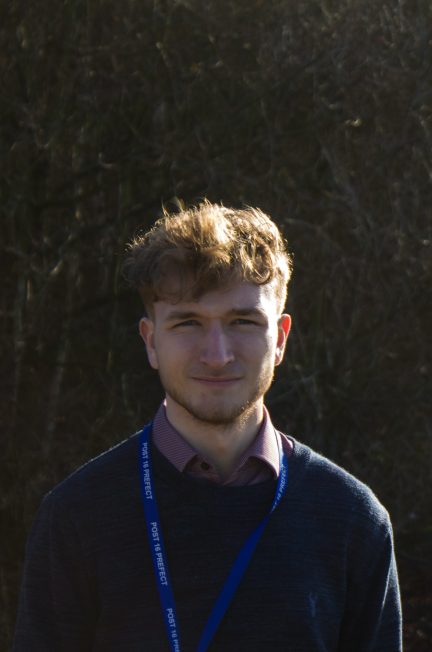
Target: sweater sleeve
[372,619]
[56,601]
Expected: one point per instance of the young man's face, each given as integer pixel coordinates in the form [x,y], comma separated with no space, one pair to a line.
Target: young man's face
[216,355]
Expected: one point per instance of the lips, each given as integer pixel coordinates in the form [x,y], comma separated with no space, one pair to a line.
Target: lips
[216,380]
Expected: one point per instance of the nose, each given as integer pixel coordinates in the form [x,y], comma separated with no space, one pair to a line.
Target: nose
[216,349]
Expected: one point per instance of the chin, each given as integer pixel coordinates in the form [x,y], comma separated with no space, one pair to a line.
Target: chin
[222,416]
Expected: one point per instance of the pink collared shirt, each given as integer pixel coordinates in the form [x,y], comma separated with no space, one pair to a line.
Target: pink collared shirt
[258,463]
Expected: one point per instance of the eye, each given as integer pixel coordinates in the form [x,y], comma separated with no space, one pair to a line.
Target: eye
[244,322]
[186,322]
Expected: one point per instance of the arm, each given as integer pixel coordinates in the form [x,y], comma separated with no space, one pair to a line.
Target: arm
[372,620]
[56,607]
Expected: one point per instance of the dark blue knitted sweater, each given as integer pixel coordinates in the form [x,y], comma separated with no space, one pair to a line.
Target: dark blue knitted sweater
[322,579]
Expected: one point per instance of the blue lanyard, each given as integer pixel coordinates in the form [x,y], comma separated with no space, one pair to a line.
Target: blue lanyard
[160,563]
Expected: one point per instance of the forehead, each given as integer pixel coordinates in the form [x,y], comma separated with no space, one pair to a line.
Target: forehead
[216,303]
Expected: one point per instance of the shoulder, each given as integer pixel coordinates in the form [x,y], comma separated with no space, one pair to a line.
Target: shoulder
[103,477]
[327,487]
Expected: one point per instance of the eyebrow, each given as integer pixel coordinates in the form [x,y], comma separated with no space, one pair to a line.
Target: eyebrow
[244,312]
[191,314]
[181,314]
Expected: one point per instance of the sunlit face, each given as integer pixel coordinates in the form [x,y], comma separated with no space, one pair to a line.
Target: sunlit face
[216,355]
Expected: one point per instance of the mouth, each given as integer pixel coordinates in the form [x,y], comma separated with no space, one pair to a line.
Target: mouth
[216,381]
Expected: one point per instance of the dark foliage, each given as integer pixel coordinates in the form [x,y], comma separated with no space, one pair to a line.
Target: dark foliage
[319,112]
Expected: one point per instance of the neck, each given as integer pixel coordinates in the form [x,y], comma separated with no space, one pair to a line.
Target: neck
[221,444]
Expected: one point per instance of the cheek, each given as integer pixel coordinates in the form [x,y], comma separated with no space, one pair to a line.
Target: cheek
[270,352]
[154,351]
[172,353]
[259,350]
[153,358]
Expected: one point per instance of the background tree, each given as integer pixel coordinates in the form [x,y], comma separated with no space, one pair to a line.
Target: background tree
[319,112]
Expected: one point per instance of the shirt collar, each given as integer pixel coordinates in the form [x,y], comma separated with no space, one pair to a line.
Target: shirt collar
[180,453]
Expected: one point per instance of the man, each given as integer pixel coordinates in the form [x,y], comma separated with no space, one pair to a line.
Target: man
[210,529]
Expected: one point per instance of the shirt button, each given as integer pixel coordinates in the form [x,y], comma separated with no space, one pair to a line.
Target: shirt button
[205,466]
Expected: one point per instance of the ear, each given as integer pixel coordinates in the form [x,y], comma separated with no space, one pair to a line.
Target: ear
[146,330]
[284,327]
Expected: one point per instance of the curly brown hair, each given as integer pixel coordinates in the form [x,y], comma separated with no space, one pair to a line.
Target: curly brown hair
[204,248]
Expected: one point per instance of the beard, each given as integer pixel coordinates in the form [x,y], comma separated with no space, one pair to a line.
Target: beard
[220,408]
